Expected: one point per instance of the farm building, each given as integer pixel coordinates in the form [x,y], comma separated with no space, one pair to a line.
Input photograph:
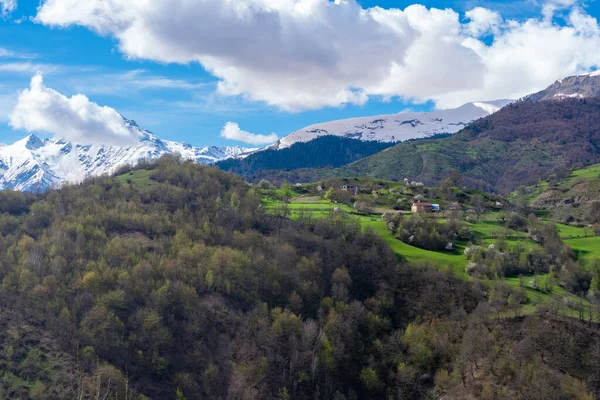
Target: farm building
[351,188]
[422,207]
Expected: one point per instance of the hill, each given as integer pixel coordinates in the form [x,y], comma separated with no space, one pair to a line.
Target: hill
[518,145]
[171,281]
[326,151]
[395,127]
[570,197]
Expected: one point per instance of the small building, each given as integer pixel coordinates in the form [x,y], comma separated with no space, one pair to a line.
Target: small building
[422,207]
[435,208]
[351,188]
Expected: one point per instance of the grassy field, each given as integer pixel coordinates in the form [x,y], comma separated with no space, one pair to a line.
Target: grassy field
[587,248]
[139,178]
[588,173]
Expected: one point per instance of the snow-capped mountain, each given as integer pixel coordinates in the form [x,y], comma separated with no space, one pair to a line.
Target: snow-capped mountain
[396,127]
[578,86]
[32,164]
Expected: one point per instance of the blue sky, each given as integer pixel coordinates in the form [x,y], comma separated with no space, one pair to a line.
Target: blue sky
[179,100]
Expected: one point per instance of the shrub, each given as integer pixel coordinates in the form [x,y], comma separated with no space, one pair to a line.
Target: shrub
[429,234]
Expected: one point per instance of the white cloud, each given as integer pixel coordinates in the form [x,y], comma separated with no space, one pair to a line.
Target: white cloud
[141,80]
[551,6]
[483,21]
[29,67]
[7,7]
[40,109]
[309,54]
[5,53]
[232,131]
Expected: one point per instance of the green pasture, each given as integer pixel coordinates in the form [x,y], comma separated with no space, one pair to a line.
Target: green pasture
[139,178]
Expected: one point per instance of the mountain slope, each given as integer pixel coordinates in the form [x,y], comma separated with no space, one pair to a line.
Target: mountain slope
[578,86]
[324,151]
[35,165]
[516,146]
[569,198]
[396,127]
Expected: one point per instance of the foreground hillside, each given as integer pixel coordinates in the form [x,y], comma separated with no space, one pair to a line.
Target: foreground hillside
[170,281]
[516,146]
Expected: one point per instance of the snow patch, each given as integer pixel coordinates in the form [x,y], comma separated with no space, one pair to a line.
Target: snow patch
[569,96]
[487,107]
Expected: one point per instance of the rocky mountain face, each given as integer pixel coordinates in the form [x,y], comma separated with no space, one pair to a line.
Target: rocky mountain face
[32,164]
[396,127]
[579,86]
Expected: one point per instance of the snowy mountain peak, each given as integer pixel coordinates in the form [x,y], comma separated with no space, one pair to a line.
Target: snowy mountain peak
[31,142]
[396,127]
[32,164]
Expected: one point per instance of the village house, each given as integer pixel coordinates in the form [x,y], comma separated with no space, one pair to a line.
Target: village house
[351,188]
[422,207]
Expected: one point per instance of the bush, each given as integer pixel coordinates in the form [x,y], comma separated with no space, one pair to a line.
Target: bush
[428,234]
[363,207]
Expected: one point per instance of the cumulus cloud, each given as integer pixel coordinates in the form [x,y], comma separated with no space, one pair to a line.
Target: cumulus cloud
[232,131]
[40,109]
[483,21]
[7,7]
[309,54]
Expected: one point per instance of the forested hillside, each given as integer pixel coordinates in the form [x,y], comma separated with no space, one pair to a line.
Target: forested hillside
[326,151]
[170,282]
[518,145]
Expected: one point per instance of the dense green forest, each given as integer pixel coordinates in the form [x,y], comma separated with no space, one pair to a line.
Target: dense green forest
[518,145]
[325,151]
[170,281]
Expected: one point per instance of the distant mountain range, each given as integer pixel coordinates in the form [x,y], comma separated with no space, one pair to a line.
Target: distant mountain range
[498,148]
[396,127]
[32,164]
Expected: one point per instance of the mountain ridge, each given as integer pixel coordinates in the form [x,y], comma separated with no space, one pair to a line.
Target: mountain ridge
[395,127]
[576,86]
[33,164]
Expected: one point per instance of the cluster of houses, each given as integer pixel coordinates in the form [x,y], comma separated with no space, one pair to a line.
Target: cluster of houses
[354,189]
[418,207]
